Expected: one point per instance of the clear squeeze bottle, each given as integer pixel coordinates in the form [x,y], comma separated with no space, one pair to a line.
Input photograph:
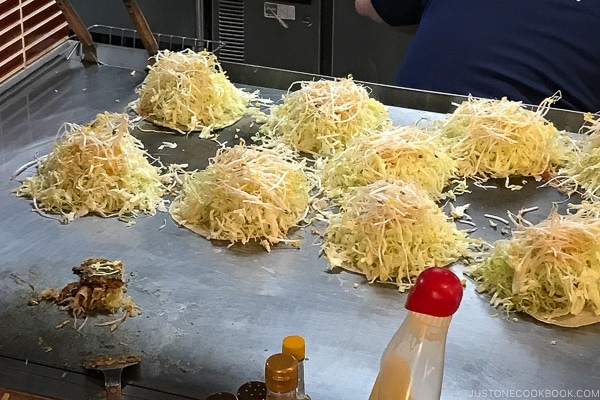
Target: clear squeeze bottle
[296,346]
[412,364]
[281,377]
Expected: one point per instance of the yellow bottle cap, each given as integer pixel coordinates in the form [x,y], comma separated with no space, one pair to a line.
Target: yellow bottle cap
[281,373]
[295,346]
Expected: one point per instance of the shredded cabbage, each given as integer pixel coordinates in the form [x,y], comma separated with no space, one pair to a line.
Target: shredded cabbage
[97,168]
[189,91]
[406,153]
[501,138]
[583,171]
[323,116]
[392,232]
[246,193]
[548,270]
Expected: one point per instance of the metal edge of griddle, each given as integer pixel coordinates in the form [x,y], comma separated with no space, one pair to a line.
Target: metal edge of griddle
[59,383]
[437,102]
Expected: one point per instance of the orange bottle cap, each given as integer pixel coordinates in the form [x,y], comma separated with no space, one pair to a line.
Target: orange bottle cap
[294,345]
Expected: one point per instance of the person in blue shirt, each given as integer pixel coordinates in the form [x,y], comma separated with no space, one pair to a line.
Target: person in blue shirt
[525,50]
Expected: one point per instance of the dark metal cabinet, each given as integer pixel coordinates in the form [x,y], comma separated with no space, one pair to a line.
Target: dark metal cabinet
[277,34]
[325,36]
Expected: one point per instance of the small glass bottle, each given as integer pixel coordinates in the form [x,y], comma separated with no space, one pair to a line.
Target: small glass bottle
[281,377]
[295,345]
[412,364]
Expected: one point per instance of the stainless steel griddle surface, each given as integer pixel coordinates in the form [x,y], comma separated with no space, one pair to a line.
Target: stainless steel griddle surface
[212,314]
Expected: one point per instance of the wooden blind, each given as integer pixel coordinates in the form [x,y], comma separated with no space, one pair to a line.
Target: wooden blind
[28,30]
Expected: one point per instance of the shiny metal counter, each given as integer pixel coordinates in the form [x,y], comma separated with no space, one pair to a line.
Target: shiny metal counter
[212,315]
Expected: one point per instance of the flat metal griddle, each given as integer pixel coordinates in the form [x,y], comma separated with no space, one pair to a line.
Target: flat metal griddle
[212,314]
[190,148]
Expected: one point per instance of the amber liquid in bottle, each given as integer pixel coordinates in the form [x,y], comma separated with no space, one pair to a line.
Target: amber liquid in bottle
[281,377]
[394,370]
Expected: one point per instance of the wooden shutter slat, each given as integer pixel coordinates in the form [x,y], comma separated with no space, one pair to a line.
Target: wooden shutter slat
[9,21]
[10,57]
[9,38]
[30,13]
[32,28]
[8,6]
[43,46]
[62,25]
[28,30]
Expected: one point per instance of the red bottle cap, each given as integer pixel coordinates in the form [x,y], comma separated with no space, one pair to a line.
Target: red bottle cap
[437,292]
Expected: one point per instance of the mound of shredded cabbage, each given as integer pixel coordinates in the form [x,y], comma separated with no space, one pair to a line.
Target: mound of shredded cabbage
[189,91]
[501,138]
[246,193]
[406,153]
[547,270]
[583,171]
[392,232]
[97,168]
[323,116]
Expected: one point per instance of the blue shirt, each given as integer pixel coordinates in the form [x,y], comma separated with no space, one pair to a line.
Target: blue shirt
[525,50]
